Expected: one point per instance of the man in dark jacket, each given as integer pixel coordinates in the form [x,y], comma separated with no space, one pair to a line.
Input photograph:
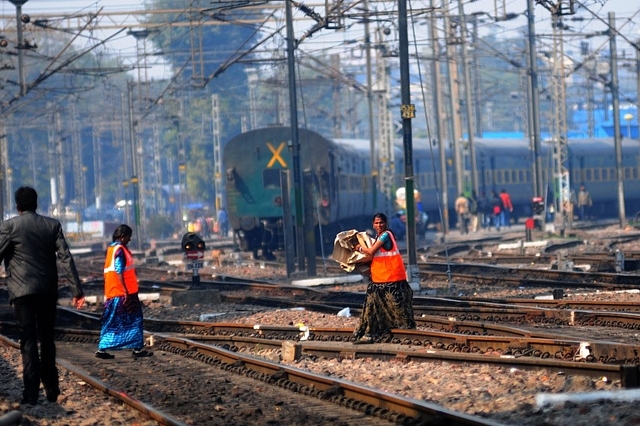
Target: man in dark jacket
[30,246]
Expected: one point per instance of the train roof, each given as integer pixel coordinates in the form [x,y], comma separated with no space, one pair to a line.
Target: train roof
[357,144]
[577,144]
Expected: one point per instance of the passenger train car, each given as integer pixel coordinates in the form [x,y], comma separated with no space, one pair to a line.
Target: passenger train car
[340,172]
[344,196]
[507,164]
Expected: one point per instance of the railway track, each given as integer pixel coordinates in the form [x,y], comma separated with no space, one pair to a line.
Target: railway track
[188,382]
[513,333]
[449,340]
[523,277]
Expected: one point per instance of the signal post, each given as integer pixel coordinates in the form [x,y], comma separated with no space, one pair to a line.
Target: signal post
[193,247]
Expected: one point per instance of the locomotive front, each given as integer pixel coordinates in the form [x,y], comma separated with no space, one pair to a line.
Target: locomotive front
[254,162]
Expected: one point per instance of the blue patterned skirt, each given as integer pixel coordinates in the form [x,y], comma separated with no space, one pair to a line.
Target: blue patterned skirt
[122,326]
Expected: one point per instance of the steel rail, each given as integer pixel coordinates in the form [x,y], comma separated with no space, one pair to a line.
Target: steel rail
[150,412]
[628,375]
[422,412]
[589,305]
[526,276]
[485,337]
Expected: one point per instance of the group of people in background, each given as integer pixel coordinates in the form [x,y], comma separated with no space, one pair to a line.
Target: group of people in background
[475,212]
[209,226]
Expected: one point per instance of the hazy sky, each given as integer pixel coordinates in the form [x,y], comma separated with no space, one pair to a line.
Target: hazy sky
[591,18]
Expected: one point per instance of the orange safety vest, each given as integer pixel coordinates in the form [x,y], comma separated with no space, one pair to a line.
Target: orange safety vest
[387,265]
[112,282]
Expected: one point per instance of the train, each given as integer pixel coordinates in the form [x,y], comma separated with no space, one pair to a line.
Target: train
[344,194]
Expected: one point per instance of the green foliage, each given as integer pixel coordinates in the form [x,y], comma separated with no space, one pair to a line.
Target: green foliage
[205,53]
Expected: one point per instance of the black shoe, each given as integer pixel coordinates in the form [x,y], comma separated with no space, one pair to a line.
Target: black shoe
[104,355]
[141,354]
[29,401]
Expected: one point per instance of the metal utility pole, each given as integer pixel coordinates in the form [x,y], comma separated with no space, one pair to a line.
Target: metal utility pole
[125,162]
[96,132]
[217,152]
[372,140]
[295,143]
[134,171]
[53,163]
[386,154]
[79,178]
[18,4]
[615,97]
[182,170]
[468,100]
[560,130]
[408,112]
[336,97]
[475,87]
[195,42]
[62,181]
[252,82]
[440,125]
[455,135]
[138,154]
[564,205]
[534,104]
[158,204]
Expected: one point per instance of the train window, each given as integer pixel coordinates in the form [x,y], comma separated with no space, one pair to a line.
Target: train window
[521,178]
[634,173]
[628,172]
[527,176]
[612,174]
[596,174]
[588,175]
[605,174]
[342,183]
[499,177]
[271,178]
[507,176]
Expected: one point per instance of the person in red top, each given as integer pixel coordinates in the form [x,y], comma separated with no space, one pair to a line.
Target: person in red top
[122,315]
[388,302]
[507,208]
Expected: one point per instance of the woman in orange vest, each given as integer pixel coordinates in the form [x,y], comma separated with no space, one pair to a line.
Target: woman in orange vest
[122,316]
[388,300]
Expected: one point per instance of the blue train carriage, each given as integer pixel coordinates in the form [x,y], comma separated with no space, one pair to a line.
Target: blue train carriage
[592,162]
[253,160]
[501,163]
